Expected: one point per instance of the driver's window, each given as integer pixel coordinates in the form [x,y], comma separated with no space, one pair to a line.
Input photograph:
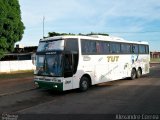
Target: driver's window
[68,62]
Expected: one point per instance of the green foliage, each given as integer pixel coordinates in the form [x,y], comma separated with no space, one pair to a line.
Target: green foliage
[11,26]
[92,33]
[51,34]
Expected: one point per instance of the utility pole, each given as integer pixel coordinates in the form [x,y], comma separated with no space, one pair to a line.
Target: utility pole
[43,25]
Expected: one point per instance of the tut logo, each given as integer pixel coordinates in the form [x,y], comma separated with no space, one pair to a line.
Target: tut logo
[112,58]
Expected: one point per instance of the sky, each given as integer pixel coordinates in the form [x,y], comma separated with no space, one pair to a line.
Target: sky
[135,20]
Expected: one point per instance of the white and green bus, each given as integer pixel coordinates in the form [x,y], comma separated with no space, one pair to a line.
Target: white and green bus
[70,62]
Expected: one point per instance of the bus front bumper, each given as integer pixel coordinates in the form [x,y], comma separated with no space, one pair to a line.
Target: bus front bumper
[49,85]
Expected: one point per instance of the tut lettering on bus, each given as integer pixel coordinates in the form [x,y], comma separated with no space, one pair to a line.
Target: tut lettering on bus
[112,58]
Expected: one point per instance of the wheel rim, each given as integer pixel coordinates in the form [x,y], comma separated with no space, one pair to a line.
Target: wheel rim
[85,85]
[133,74]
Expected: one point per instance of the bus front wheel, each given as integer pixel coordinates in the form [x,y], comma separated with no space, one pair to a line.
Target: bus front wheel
[133,74]
[84,84]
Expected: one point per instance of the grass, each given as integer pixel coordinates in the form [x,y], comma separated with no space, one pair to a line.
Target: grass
[156,60]
[17,74]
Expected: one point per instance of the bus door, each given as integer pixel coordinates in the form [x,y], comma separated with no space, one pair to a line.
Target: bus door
[68,72]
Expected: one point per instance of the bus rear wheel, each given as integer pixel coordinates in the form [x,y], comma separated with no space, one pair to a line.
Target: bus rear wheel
[84,84]
[133,74]
[139,73]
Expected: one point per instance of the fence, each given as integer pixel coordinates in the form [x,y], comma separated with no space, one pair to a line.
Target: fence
[10,66]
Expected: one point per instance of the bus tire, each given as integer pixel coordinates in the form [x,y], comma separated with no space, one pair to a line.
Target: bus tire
[84,84]
[133,74]
[139,73]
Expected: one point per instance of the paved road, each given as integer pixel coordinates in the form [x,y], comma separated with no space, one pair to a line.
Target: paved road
[140,96]
[12,86]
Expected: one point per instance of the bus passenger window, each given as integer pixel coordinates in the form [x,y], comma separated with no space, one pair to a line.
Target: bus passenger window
[142,49]
[115,48]
[125,48]
[135,49]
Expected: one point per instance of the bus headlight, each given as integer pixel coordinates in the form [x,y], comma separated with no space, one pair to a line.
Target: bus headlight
[36,84]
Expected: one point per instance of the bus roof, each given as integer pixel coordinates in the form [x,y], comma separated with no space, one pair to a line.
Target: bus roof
[95,37]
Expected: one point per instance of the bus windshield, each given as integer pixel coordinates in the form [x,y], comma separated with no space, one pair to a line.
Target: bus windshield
[49,65]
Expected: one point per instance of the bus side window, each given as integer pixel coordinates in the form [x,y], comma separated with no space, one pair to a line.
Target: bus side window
[142,49]
[135,49]
[125,48]
[71,45]
[114,47]
[147,49]
[88,47]
[102,47]
[85,46]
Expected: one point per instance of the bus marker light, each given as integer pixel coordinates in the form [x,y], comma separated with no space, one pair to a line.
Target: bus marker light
[55,86]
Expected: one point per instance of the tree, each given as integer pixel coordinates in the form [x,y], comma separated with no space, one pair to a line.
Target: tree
[51,34]
[92,33]
[11,26]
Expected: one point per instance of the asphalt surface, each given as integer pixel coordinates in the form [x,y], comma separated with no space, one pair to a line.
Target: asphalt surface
[12,86]
[140,96]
